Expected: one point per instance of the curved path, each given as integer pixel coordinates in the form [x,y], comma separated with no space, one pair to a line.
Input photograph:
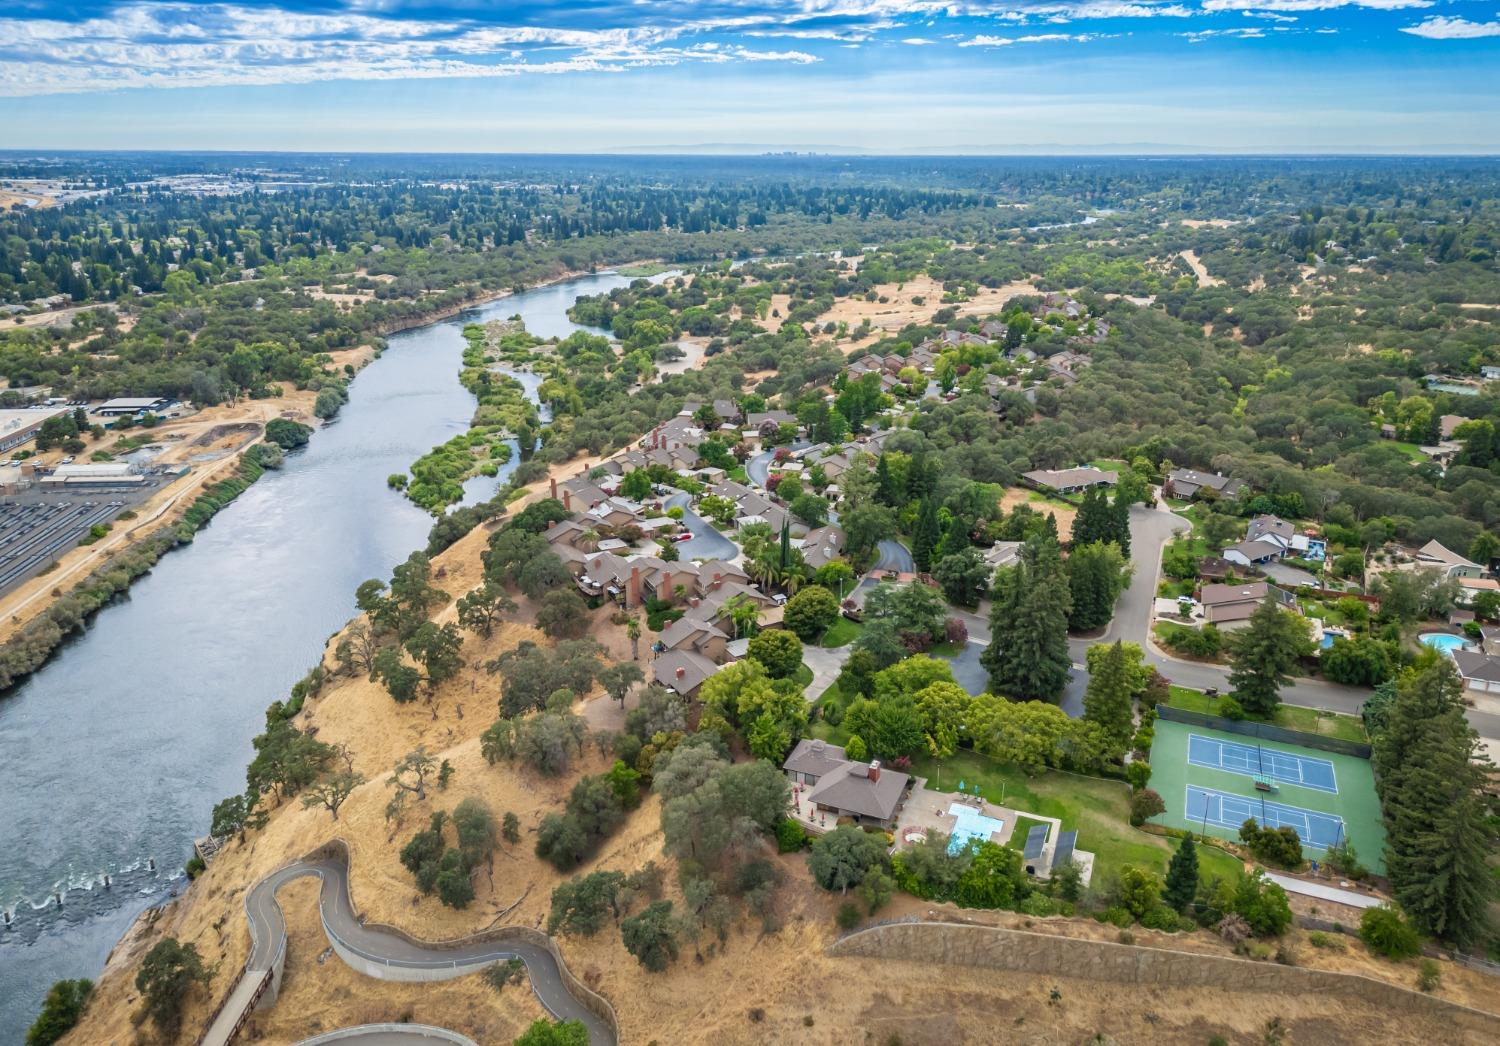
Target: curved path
[706,543]
[391,1035]
[384,955]
[890,554]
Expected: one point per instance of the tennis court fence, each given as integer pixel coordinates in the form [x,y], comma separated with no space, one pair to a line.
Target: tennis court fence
[1263,731]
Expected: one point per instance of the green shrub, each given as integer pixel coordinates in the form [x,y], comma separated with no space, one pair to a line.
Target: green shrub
[1429,974]
[1119,916]
[1162,918]
[1230,708]
[1385,932]
[849,916]
[1138,773]
[790,836]
[194,867]
[1331,941]
[60,1011]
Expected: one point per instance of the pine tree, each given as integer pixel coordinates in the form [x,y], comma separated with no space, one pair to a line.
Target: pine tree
[1262,654]
[1119,518]
[1436,832]
[1028,657]
[955,538]
[886,487]
[1090,524]
[1182,876]
[1097,574]
[925,535]
[1107,701]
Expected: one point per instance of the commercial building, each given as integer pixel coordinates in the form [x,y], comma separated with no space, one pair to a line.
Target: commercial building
[131,405]
[20,426]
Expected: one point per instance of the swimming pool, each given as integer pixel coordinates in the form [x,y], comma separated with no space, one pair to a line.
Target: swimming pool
[1444,641]
[971,824]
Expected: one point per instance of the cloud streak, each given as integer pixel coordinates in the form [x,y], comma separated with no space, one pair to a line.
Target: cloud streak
[1440,27]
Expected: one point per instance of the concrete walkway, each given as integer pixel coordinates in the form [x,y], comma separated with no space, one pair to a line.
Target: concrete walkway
[391,1035]
[383,955]
[1291,884]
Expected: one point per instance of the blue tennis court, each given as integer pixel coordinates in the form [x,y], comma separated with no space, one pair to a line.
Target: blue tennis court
[1307,771]
[1222,810]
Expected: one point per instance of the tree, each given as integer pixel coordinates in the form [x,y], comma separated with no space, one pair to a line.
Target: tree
[844,856]
[618,678]
[810,509]
[331,791]
[563,614]
[1028,655]
[651,936]
[633,633]
[410,774]
[401,680]
[1107,701]
[916,611]
[810,612]
[286,759]
[1358,662]
[436,648]
[1262,654]
[779,651]
[478,610]
[544,574]
[1182,876]
[925,535]
[1097,574]
[168,973]
[1428,780]
[1484,548]
[993,879]
[1140,890]
[60,1012]
[1385,932]
[964,575]
[636,485]
[543,1032]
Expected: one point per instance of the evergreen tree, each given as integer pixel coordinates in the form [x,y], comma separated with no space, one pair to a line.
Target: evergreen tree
[1119,519]
[1262,654]
[1182,876]
[1028,657]
[925,536]
[1107,701]
[1097,573]
[1092,523]
[887,489]
[1436,830]
[955,538]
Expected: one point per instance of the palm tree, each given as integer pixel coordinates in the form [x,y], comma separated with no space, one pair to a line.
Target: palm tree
[745,614]
[633,630]
[590,539]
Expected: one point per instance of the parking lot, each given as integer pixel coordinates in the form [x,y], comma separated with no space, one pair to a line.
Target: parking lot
[35,530]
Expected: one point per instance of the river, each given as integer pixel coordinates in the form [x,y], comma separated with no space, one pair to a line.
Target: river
[113,755]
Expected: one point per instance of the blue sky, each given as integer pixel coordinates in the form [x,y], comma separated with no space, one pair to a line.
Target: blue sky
[874,75]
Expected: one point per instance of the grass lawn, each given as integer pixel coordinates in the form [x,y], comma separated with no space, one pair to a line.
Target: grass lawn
[804,675]
[1308,720]
[1098,809]
[947,649]
[738,474]
[841,633]
[1411,450]
[1022,829]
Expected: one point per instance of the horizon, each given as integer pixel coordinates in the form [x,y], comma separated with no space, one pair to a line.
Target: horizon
[867,77]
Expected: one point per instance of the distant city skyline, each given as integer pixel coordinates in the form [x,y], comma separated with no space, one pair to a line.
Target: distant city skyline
[1137,76]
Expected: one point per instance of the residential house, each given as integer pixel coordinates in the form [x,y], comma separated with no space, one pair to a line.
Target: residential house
[993,329]
[1002,554]
[1480,672]
[1434,555]
[1070,481]
[767,423]
[683,671]
[1187,484]
[697,635]
[578,494]
[1469,587]
[1448,424]
[822,545]
[865,793]
[1230,606]
[1253,553]
[727,410]
[1270,537]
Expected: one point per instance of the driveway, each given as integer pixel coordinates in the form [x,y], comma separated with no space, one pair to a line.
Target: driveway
[892,555]
[1289,575]
[706,542]
[826,664]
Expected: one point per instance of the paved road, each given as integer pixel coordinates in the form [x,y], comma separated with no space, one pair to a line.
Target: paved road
[391,1035]
[268,936]
[892,555]
[758,468]
[706,543]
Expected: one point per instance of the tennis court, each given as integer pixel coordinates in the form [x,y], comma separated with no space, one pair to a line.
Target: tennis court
[1258,761]
[1318,830]
[1208,780]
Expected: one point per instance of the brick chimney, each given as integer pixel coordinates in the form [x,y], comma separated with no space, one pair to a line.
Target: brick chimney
[633,589]
[874,769]
[681,672]
[568,500]
[552,485]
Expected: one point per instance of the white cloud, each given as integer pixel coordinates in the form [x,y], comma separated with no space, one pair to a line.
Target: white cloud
[918,41]
[1270,16]
[1441,27]
[1313,5]
[182,45]
[1035,38]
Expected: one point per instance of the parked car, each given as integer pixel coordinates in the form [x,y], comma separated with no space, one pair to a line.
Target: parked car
[684,536]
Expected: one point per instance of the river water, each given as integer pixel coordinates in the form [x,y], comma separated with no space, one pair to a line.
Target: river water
[112,756]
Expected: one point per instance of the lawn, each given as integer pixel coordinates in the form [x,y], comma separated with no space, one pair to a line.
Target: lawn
[1308,720]
[1411,450]
[1097,808]
[804,675]
[1022,829]
[841,633]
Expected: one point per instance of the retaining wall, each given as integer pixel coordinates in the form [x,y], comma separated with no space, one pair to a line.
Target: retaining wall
[1022,951]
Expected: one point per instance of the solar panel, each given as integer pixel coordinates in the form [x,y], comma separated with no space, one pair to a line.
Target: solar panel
[1034,842]
[1064,852]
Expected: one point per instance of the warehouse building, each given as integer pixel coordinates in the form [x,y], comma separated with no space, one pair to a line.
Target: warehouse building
[20,426]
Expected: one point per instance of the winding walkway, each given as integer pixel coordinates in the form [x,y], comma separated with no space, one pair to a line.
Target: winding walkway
[385,954]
